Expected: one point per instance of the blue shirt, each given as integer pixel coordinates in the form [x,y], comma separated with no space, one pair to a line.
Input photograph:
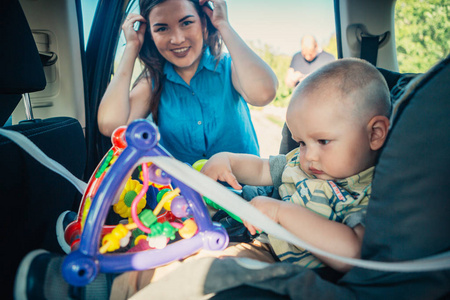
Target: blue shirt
[208,116]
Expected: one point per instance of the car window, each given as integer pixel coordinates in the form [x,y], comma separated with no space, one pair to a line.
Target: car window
[88,11]
[274,30]
[421,33]
[133,8]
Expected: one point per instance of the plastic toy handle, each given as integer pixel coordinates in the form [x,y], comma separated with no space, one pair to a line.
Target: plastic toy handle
[141,194]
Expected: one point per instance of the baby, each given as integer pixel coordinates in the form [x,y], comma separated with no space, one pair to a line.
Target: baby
[339,115]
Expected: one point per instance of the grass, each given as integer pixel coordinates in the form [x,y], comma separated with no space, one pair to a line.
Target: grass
[275,120]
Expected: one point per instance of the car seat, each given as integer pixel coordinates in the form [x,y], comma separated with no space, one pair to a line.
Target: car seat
[32,195]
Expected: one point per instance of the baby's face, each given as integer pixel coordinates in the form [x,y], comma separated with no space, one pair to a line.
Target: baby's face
[333,144]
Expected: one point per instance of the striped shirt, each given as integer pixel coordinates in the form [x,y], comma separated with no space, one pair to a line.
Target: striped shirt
[344,201]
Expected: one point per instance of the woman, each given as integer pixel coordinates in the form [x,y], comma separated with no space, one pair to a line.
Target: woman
[195,94]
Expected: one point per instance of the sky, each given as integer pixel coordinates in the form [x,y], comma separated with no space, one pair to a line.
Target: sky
[277,23]
[282,23]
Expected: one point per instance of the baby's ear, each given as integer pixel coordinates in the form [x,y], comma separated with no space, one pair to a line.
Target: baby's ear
[377,128]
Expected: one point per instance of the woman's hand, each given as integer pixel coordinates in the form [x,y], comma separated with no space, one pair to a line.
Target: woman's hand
[268,206]
[218,15]
[252,78]
[132,36]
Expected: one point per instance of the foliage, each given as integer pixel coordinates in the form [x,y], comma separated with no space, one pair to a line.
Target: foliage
[422,33]
[332,46]
[280,65]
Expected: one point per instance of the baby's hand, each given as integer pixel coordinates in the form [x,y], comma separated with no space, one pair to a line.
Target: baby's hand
[267,206]
[218,168]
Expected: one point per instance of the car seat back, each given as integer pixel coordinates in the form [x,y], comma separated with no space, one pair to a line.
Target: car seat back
[21,70]
[407,217]
[32,195]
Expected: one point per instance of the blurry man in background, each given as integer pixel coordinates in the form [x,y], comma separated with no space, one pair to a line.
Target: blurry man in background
[309,59]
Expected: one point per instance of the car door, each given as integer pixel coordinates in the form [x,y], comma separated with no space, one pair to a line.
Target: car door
[100,51]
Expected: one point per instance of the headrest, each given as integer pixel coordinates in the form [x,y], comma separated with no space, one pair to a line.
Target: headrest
[21,69]
[390,76]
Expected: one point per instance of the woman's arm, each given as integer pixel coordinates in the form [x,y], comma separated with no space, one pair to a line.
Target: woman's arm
[118,106]
[251,76]
[238,168]
[314,229]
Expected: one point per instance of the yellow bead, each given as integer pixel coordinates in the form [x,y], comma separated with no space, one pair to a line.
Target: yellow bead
[189,229]
[139,238]
[198,165]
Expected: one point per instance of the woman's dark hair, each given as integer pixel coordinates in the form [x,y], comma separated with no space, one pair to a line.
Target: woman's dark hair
[154,62]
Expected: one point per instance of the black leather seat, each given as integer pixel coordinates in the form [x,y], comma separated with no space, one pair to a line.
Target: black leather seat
[32,195]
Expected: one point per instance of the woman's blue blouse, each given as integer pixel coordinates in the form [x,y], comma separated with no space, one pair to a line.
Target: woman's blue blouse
[206,117]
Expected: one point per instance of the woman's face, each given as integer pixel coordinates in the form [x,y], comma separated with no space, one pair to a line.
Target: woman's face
[177,30]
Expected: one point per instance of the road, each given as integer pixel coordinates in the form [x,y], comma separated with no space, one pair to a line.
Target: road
[268,131]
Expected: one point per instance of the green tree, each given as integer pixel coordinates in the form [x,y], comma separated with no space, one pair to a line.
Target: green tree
[422,31]
[280,65]
[332,46]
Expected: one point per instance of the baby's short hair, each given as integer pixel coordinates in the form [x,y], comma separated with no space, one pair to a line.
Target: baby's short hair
[351,78]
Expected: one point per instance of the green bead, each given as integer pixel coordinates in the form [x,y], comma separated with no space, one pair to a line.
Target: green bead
[129,197]
[105,164]
[169,231]
[198,165]
[137,232]
[147,217]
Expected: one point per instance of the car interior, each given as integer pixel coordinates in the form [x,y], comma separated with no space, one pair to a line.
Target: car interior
[51,85]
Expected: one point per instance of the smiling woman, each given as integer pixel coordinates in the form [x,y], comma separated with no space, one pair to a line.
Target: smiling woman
[196,94]
[274,42]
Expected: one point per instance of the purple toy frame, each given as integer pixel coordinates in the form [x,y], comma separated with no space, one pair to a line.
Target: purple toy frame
[81,266]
